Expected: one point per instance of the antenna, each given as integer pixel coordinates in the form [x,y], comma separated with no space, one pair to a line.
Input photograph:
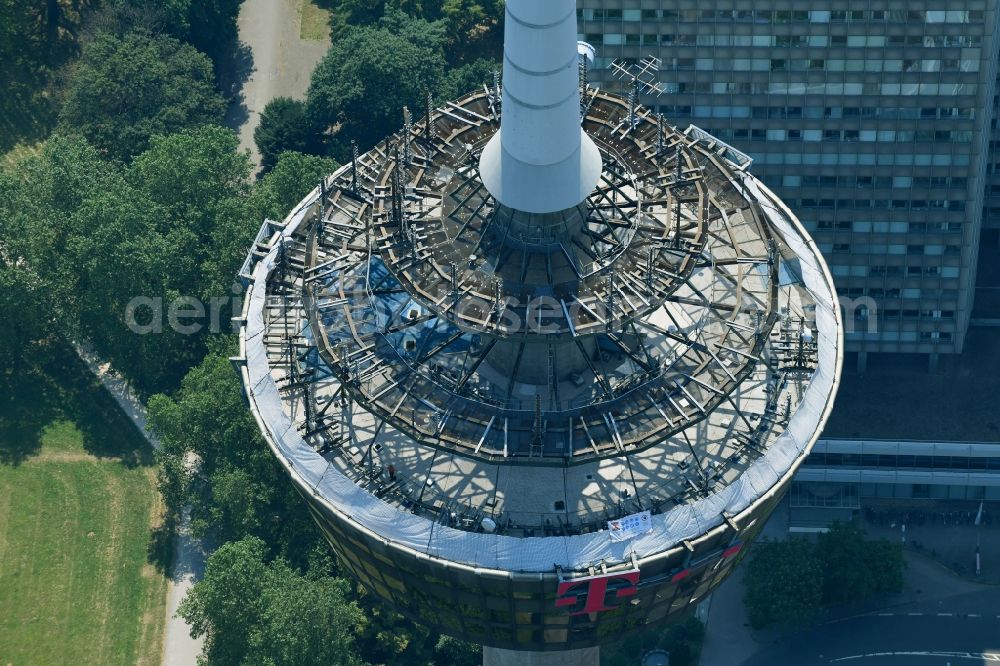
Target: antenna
[541,161]
[643,76]
[407,133]
[354,167]
[430,126]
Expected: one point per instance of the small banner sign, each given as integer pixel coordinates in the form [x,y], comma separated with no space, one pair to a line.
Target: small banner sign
[630,527]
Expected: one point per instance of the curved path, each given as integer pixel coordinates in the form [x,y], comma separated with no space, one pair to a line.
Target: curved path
[179,648]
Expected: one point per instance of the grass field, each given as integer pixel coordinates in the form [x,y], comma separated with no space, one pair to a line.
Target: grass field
[78,506]
[315,21]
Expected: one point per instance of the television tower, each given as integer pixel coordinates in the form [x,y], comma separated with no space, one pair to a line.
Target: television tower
[541,364]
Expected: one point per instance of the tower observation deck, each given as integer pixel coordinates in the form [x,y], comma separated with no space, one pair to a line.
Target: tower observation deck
[539,418]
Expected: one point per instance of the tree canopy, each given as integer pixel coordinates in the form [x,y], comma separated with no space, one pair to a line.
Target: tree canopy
[284,126]
[98,236]
[294,175]
[370,73]
[783,583]
[472,28]
[258,612]
[126,90]
[856,568]
[25,318]
[233,485]
[788,582]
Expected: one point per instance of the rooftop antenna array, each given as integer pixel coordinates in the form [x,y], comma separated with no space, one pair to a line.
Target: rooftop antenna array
[642,78]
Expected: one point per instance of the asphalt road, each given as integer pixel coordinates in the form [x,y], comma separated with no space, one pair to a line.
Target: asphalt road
[960,631]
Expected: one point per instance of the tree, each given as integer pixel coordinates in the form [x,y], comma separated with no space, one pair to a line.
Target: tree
[38,198]
[124,91]
[474,21]
[118,253]
[203,183]
[884,559]
[215,461]
[294,175]
[359,89]
[783,583]
[252,611]
[213,25]
[473,28]
[855,568]
[23,313]
[456,652]
[284,125]
[841,553]
[463,80]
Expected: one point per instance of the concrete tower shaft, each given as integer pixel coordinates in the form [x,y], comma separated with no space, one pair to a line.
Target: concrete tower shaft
[540,161]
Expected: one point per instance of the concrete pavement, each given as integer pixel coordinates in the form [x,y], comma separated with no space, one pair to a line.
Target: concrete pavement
[282,62]
[963,629]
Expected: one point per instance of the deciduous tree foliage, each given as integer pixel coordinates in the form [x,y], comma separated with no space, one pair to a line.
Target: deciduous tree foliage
[473,28]
[257,612]
[36,38]
[98,237]
[783,583]
[855,567]
[359,88]
[285,125]
[24,316]
[293,177]
[38,198]
[213,452]
[123,91]
[787,582]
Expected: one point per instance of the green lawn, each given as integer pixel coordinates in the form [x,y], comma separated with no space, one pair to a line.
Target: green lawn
[315,21]
[78,507]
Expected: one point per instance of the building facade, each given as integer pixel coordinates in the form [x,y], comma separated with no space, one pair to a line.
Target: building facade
[872,120]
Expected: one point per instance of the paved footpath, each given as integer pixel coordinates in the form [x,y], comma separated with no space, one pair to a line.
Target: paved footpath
[282,65]
[179,648]
[282,60]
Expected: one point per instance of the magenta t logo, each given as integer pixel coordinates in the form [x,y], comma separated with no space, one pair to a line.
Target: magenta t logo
[594,591]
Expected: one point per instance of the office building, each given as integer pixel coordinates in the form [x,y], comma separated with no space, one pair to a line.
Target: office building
[873,121]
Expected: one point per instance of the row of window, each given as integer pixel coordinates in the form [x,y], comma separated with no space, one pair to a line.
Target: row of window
[781,16]
[866,204]
[842,158]
[876,182]
[868,227]
[823,85]
[846,495]
[859,333]
[818,112]
[879,270]
[862,313]
[784,41]
[867,136]
[898,292]
[901,461]
[882,248]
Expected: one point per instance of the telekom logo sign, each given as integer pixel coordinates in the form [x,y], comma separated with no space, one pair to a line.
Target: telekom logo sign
[594,591]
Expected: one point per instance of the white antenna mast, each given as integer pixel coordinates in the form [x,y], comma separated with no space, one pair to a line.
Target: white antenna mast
[541,161]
